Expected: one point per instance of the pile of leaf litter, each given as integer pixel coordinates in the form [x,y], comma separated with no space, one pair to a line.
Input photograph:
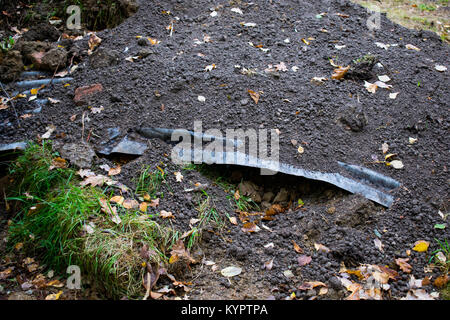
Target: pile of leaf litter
[66,217]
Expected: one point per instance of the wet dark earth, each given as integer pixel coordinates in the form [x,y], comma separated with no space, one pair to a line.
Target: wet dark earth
[274,49]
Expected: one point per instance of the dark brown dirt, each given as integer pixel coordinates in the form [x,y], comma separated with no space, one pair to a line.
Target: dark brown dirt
[174,70]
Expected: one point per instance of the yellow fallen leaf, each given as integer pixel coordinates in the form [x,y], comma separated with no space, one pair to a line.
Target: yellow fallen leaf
[254,95]
[54,296]
[421,246]
[34,92]
[117,199]
[143,206]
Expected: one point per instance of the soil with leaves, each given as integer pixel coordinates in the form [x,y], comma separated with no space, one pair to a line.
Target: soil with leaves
[332,89]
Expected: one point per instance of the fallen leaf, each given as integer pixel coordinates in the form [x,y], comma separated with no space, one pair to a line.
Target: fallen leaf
[281,67]
[440,68]
[96,180]
[384,78]
[421,246]
[318,80]
[269,264]
[233,220]
[250,227]
[297,247]
[321,248]
[237,10]
[378,244]
[371,87]
[403,264]
[114,171]
[93,42]
[55,283]
[441,281]
[53,101]
[178,176]
[311,285]
[340,72]
[210,67]
[154,203]
[254,95]
[50,130]
[58,162]
[97,110]
[412,47]
[303,260]
[231,271]
[54,296]
[393,95]
[130,204]
[166,214]
[396,164]
[143,207]
[248,24]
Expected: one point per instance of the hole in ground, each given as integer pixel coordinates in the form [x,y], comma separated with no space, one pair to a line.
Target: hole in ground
[256,192]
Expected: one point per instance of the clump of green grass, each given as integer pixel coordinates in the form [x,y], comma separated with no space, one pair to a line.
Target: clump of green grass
[53,212]
[149,182]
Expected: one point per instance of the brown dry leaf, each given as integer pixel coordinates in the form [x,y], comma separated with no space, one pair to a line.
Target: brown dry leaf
[250,227]
[403,264]
[274,209]
[107,208]
[254,95]
[18,246]
[297,247]
[233,220]
[130,204]
[95,181]
[6,273]
[58,162]
[441,281]
[55,283]
[166,214]
[93,42]
[178,251]
[340,72]
[303,260]
[117,199]
[237,196]
[342,15]
[378,244]
[114,171]
[311,285]
[384,147]
[154,203]
[321,248]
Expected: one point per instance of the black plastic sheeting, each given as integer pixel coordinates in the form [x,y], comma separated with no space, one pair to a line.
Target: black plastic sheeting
[370,184]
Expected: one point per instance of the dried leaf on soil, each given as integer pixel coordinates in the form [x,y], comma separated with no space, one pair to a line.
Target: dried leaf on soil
[166,214]
[303,260]
[269,264]
[254,95]
[403,264]
[231,271]
[321,248]
[54,296]
[250,227]
[340,72]
[297,247]
[178,176]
